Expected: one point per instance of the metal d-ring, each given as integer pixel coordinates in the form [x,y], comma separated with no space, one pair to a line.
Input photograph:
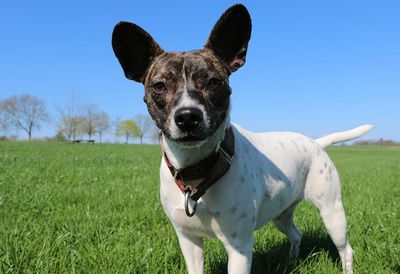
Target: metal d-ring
[187,198]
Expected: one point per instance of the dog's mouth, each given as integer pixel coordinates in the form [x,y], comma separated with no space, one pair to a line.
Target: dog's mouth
[190,140]
[191,132]
[187,139]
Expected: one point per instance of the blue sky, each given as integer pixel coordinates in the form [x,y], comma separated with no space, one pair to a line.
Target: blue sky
[313,66]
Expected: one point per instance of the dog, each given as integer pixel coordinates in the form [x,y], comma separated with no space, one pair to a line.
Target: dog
[216,178]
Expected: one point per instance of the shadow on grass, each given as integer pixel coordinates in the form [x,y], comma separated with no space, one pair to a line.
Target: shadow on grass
[275,259]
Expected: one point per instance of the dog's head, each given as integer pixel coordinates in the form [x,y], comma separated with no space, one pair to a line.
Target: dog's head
[187,93]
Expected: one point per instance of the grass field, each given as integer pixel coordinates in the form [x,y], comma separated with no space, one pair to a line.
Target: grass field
[96,209]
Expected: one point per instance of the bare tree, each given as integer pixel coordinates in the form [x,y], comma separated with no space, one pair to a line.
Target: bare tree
[102,122]
[24,112]
[77,120]
[94,121]
[145,124]
[89,118]
[81,126]
[69,121]
[4,118]
[70,126]
[114,124]
[155,136]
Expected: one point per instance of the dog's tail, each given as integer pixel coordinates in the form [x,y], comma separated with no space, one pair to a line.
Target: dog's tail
[343,136]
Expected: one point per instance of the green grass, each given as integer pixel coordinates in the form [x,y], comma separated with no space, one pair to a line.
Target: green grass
[96,209]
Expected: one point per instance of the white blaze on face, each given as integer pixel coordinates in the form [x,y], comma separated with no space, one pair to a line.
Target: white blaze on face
[185,102]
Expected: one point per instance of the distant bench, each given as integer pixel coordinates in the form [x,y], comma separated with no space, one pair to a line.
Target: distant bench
[82,141]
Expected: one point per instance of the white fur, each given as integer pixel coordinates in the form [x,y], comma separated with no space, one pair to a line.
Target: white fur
[343,136]
[270,174]
[182,156]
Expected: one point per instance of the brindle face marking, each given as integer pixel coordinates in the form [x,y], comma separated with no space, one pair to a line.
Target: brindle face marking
[197,78]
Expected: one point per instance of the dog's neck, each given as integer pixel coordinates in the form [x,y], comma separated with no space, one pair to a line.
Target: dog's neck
[181,156]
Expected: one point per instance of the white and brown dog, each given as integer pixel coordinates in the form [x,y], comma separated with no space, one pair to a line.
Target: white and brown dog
[205,189]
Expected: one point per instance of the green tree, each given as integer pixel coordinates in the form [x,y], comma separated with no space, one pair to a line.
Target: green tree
[60,136]
[128,128]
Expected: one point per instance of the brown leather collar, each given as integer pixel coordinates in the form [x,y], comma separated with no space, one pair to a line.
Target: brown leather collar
[210,170]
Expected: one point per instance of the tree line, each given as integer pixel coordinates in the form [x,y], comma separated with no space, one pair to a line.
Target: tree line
[74,122]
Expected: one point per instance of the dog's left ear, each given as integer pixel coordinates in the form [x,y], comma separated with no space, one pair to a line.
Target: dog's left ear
[230,37]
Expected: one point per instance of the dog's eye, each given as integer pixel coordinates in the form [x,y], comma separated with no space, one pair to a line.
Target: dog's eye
[213,83]
[159,87]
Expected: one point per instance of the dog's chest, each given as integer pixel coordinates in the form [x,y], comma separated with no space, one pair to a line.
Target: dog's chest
[266,176]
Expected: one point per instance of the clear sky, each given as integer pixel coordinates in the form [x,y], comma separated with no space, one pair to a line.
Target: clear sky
[313,66]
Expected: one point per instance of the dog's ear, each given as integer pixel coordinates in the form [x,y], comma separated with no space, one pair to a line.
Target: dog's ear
[135,50]
[230,37]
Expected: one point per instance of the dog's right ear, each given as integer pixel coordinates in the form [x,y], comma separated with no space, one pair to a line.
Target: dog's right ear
[135,50]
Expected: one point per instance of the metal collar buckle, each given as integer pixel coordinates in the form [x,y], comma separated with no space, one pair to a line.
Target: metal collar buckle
[188,192]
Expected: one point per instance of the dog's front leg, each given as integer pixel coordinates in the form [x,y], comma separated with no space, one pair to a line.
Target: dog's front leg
[239,256]
[192,249]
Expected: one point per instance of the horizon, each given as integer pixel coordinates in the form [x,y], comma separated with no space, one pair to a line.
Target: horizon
[313,68]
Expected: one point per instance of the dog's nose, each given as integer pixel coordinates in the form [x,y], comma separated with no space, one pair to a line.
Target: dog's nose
[188,118]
